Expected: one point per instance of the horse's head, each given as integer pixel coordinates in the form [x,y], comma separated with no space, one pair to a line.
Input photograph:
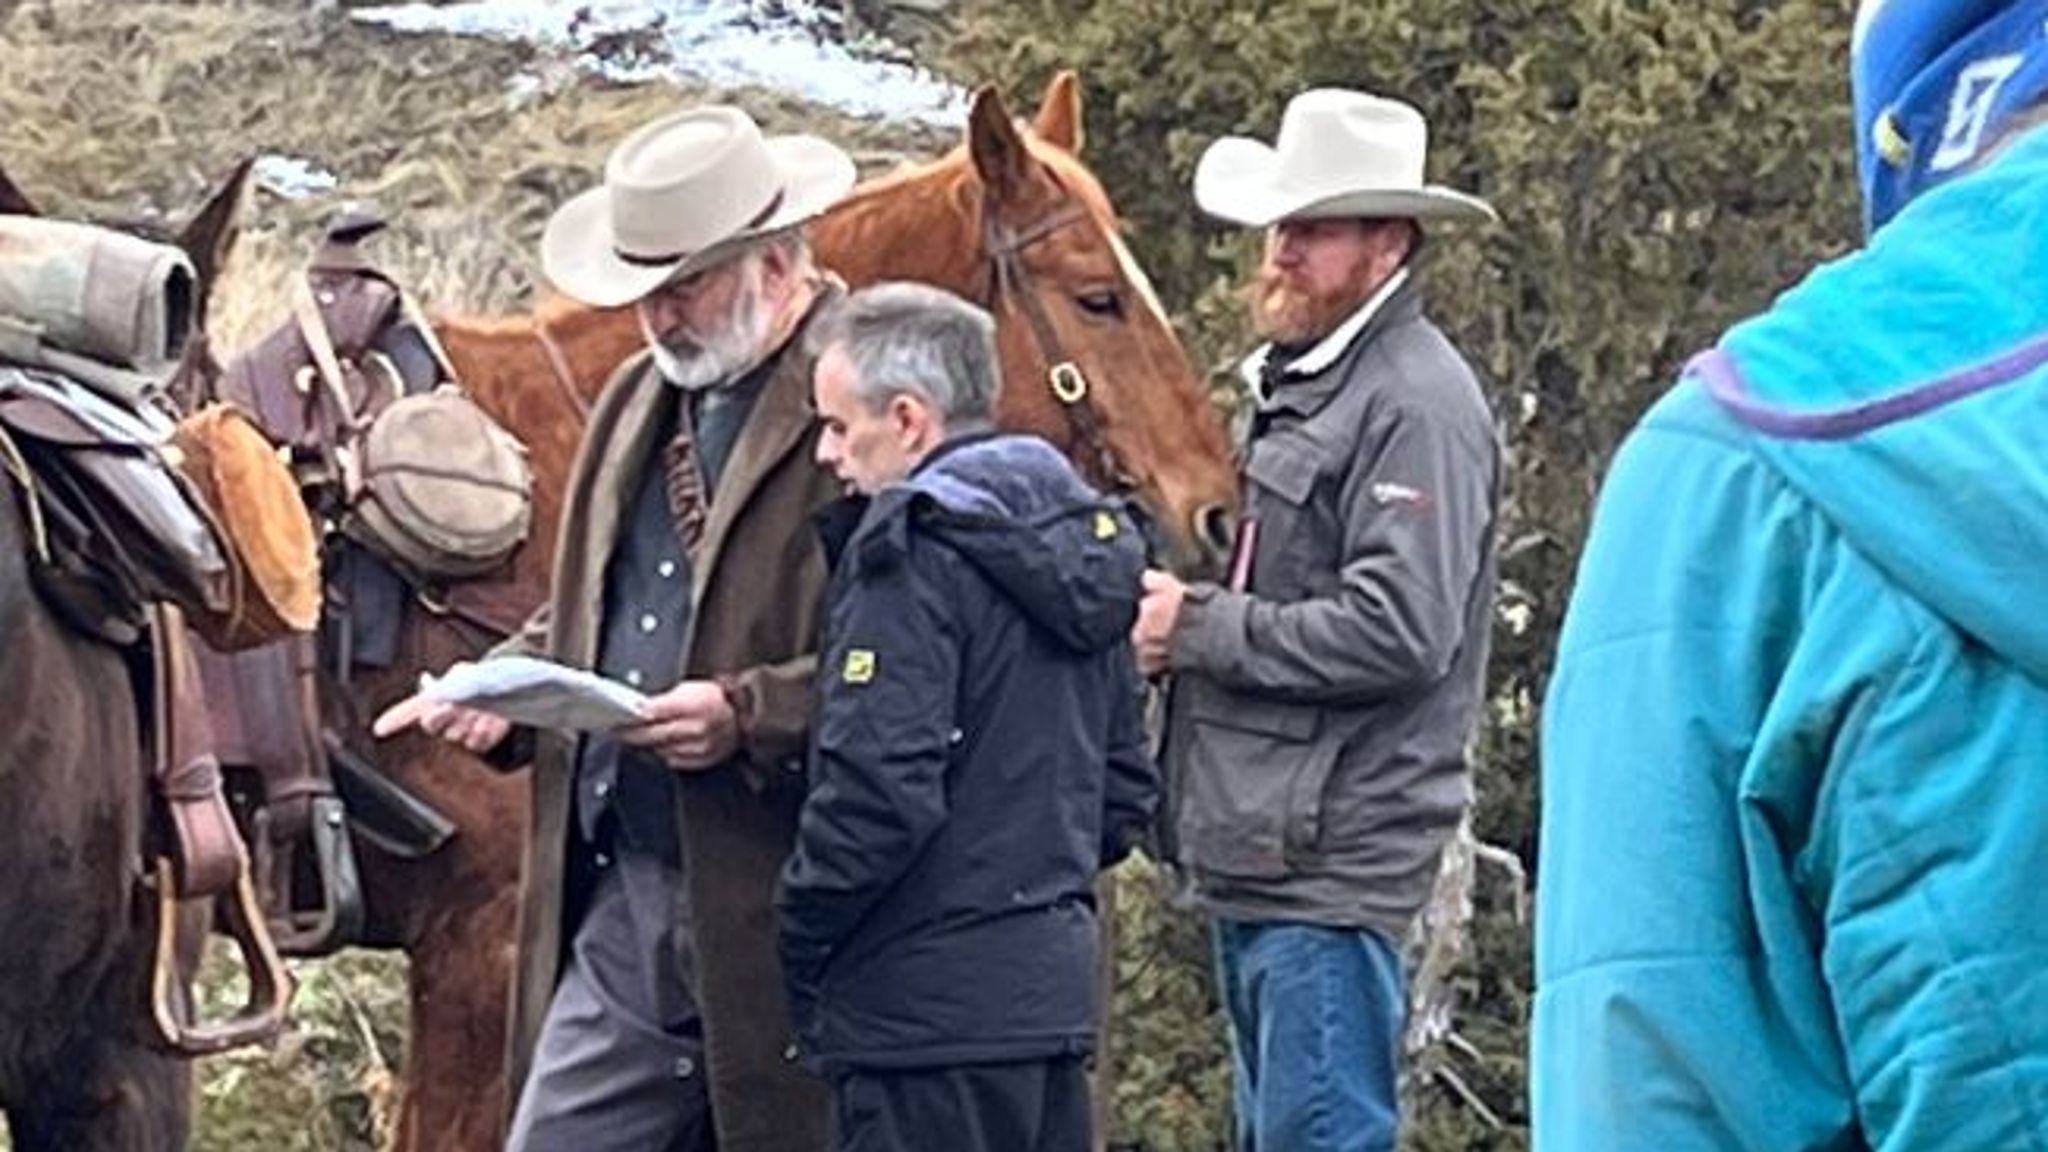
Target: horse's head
[206,239]
[1013,219]
[1089,356]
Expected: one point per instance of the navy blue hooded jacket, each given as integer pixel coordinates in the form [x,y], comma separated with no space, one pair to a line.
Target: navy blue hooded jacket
[978,757]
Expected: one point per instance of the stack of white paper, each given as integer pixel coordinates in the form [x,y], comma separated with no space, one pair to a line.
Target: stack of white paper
[540,693]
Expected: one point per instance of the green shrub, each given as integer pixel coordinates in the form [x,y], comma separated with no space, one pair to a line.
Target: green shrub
[1661,169]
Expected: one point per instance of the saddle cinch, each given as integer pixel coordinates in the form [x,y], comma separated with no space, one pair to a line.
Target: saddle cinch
[138,526]
[418,492]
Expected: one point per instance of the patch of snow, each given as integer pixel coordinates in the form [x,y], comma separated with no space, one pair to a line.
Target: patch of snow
[786,46]
[291,177]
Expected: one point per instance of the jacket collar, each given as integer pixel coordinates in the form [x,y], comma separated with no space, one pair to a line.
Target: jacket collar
[835,524]
[1307,380]
[950,446]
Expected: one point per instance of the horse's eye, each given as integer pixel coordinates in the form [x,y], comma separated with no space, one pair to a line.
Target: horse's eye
[1104,304]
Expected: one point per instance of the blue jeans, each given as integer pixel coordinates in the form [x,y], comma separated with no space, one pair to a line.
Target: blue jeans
[1315,1025]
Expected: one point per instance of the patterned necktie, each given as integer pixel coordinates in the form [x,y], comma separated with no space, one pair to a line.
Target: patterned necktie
[688,499]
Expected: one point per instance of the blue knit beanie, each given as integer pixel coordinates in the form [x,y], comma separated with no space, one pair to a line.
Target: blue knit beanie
[1933,82]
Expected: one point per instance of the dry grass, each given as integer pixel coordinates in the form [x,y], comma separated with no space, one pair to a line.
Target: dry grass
[133,111]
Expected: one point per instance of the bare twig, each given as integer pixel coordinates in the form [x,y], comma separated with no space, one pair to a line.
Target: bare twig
[1464,1092]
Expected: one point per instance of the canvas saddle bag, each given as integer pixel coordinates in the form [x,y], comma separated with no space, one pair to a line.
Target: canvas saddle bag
[429,481]
[101,307]
[130,508]
[442,491]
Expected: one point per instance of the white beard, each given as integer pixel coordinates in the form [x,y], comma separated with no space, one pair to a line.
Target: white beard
[694,363]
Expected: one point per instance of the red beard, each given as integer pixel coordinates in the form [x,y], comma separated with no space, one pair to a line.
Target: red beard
[1287,310]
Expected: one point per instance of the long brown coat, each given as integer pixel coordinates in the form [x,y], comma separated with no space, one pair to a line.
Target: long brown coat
[759,581]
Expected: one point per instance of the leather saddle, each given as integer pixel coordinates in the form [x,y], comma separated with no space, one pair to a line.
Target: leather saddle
[117,529]
[119,541]
[301,774]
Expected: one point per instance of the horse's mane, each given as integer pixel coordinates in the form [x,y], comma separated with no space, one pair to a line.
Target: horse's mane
[1077,179]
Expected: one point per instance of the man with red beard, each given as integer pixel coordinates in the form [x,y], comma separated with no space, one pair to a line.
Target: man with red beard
[1322,696]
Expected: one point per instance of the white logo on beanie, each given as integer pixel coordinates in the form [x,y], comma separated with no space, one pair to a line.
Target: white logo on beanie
[1969,109]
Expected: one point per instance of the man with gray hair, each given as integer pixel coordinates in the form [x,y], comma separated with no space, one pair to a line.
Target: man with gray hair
[648,1016]
[977,753]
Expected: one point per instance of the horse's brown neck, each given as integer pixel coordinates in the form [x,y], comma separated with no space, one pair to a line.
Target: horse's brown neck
[588,336]
[919,225]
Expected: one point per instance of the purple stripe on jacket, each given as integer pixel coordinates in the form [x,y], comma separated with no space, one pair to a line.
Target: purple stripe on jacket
[1717,370]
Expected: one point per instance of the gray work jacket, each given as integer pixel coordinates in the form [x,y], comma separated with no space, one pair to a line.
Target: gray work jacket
[1316,729]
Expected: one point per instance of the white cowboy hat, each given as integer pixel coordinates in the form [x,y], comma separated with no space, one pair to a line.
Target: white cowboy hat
[678,195]
[1340,154]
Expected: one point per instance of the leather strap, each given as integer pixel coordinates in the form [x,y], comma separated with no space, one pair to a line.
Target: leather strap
[320,346]
[486,612]
[1009,279]
[565,378]
[335,444]
[264,706]
[424,329]
[16,465]
[207,854]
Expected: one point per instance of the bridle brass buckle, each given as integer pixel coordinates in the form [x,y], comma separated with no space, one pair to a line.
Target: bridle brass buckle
[1067,382]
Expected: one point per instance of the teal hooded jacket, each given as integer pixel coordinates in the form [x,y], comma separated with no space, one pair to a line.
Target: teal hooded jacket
[1793,886]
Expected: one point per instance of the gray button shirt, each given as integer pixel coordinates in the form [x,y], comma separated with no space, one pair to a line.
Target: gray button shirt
[647,620]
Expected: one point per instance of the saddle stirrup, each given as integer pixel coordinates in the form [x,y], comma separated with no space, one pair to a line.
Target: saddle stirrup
[203,860]
[172,1011]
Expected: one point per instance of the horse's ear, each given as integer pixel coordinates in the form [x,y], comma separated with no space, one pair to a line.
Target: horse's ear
[1059,114]
[12,202]
[1000,155]
[212,232]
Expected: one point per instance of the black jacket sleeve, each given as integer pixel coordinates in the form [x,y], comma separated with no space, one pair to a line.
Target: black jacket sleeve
[1131,792]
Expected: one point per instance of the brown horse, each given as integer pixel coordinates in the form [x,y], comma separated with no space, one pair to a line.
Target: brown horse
[77,1072]
[1011,218]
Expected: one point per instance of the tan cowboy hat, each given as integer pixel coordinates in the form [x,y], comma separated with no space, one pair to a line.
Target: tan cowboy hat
[1340,154]
[679,195]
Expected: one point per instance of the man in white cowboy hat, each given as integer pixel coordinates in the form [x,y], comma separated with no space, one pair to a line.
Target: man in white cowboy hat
[1322,696]
[649,1013]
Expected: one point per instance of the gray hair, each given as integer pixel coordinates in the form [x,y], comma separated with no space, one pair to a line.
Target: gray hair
[791,241]
[918,340]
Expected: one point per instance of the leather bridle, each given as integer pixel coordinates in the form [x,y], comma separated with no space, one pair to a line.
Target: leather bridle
[1005,248]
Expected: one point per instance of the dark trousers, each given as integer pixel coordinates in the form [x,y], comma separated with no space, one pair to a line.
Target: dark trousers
[1029,1106]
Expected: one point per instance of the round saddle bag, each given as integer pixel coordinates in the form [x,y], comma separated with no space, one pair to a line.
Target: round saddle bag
[443,491]
[274,556]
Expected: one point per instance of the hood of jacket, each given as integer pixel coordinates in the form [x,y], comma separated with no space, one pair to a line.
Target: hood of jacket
[1903,389]
[1070,558]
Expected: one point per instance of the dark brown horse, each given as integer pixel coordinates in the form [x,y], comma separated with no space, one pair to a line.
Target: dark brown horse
[1011,218]
[78,1072]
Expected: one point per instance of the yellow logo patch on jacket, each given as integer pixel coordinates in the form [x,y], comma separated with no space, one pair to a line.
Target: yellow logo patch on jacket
[1105,526]
[859,667]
